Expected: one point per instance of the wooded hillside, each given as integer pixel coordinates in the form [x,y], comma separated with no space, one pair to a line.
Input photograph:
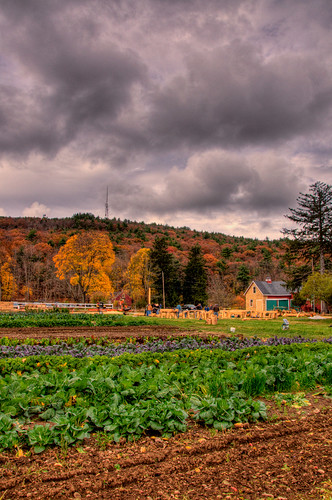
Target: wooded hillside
[28,246]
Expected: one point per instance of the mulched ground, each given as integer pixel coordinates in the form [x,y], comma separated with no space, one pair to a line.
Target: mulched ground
[288,457]
[111,332]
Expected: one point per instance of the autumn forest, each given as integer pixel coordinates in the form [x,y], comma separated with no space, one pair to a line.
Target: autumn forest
[86,258]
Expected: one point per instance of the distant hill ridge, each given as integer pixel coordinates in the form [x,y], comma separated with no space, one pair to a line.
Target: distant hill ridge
[87,221]
[221,252]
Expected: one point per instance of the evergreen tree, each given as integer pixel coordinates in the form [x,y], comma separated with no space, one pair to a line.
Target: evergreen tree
[166,273]
[243,276]
[195,281]
[265,265]
[314,216]
[296,275]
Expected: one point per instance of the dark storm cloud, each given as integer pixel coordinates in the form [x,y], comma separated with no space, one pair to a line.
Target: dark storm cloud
[75,84]
[231,96]
[81,80]
[218,180]
[187,106]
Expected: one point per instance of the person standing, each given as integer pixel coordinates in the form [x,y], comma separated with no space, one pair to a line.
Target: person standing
[179,309]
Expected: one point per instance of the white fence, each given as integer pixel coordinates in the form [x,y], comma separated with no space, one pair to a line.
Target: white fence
[60,305]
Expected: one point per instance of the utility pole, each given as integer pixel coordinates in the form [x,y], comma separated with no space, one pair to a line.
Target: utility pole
[163,280]
[106,204]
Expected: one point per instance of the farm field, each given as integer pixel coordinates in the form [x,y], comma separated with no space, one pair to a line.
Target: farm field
[119,326]
[279,447]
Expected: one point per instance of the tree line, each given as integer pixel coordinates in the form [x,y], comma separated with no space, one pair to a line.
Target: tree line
[86,260]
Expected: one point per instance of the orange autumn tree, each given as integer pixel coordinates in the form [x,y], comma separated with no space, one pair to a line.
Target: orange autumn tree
[7,282]
[139,276]
[86,261]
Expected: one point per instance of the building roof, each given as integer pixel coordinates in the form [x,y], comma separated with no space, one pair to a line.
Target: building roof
[272,287]
[122,296]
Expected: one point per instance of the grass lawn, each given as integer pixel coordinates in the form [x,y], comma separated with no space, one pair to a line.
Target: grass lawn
[306,327]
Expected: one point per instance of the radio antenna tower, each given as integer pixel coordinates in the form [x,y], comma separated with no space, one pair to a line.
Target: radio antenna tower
[106,204]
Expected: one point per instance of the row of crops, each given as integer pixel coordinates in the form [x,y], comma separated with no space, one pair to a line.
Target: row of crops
[90,347]
[60,398]
[64,318]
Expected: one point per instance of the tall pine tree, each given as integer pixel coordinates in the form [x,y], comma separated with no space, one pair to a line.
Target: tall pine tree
[313,216]
[195,280]
[243,277]
[166,273]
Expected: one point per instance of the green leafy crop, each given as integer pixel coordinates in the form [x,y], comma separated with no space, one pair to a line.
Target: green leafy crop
[131,395]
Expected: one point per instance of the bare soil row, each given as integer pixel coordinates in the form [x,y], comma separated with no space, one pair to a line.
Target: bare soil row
[287,458]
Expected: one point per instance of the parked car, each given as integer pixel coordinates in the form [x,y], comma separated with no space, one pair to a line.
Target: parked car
[188,306]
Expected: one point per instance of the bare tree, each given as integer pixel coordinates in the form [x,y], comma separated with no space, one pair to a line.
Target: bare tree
[219,292]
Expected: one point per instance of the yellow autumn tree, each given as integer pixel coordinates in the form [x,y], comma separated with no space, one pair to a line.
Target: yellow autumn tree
[7,282]
[86,261]
[139,275]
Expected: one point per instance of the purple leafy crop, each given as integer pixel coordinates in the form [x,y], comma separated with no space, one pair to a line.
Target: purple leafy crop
[81,350]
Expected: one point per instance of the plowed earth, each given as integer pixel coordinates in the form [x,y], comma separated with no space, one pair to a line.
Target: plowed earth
[111,332]
[287,457]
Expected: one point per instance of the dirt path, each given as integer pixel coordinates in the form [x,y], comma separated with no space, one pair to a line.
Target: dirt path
[111,332]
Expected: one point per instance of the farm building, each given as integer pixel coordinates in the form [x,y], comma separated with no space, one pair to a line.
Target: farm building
[122,299]
[267,295]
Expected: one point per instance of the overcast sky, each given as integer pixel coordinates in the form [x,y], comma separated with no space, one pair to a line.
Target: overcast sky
[212,114]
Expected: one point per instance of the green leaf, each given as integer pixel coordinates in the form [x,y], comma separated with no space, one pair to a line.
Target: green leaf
[38,448]
[47,414]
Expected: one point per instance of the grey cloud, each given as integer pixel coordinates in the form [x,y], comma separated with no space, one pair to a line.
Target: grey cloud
[210,180]
[217,182]
[228,95]
[231,96]
[79,85]
[25,125]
